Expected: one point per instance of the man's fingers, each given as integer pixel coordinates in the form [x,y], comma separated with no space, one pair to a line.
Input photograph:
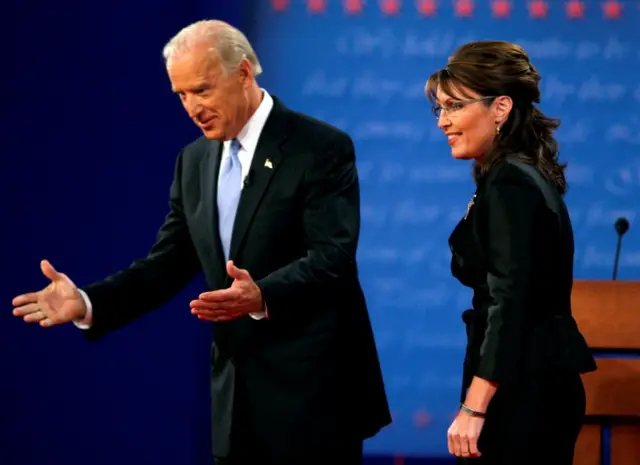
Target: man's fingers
[25,299]
[216,319]
[48,322]
[225,306]
[215,314]
[211,313]
[48,270]
[33,313]
[203,305]
[24,307]
[222,295]
[34,317]
[27,310]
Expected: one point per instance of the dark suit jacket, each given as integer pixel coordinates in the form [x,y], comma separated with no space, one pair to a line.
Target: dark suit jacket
[515,249]
[308,376]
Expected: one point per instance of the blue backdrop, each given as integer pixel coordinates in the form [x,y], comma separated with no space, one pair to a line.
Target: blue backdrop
[366,74]
[90,133]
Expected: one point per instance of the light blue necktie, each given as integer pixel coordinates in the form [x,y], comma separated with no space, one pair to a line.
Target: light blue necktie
[229,188]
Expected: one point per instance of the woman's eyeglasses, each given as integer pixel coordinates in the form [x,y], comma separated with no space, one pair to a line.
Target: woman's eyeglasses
[456,106]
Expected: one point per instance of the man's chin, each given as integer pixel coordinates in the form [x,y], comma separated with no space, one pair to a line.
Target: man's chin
[212,134]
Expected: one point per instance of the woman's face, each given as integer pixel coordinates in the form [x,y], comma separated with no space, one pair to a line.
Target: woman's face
[468,122]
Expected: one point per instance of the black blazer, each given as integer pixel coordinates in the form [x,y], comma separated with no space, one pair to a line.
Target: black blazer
[309,375]
[515,249]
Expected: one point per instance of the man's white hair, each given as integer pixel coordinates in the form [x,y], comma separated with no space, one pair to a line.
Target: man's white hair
[226,41]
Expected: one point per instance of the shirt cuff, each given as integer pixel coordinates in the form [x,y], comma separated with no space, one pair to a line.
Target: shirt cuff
[260,315]
[85,323]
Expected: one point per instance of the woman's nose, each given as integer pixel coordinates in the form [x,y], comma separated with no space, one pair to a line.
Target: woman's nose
[443,120]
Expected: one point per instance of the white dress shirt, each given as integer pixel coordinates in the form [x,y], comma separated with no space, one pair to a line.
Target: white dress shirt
[248,138]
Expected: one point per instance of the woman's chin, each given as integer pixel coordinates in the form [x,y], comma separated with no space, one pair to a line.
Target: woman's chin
[460,155]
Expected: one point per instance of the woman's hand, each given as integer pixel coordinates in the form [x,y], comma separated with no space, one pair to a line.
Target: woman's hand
[463,434]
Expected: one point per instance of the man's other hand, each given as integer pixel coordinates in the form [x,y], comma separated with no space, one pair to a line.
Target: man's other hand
[59,302]
[242,298]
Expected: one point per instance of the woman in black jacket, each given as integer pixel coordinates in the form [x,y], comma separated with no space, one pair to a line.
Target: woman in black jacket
[523,400]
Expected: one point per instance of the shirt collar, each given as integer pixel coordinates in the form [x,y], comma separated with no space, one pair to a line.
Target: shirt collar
[250,133]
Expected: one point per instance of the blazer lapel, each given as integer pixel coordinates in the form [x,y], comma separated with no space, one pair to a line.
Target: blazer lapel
[266,161]
[209,183]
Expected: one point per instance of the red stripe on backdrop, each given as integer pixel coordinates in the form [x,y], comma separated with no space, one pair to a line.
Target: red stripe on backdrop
[279,5]
[538,9]
[612,9]
[464,8]
[390,7]
[500,9]
[427,7]
[575,9]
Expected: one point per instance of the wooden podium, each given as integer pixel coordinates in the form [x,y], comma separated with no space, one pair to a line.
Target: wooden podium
[608,314]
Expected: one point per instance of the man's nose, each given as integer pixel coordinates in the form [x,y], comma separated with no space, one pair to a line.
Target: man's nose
[192,105]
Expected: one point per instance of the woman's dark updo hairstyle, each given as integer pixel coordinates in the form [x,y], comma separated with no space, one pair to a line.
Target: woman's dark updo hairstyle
[495,68]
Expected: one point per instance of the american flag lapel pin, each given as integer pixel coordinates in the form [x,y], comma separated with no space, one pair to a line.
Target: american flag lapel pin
[268,164]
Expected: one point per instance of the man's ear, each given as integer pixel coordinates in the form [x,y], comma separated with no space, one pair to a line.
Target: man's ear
[246,73]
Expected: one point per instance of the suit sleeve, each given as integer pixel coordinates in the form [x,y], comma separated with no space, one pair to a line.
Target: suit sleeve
[150,282]
[511,209]
[331,217]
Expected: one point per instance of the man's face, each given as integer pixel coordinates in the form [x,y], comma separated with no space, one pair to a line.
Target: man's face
[214,100]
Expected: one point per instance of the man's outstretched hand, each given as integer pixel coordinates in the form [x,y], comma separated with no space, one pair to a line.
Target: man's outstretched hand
[59,302]
[242,298]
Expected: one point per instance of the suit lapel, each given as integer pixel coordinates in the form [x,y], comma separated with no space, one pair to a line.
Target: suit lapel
[266,161]
[209,182]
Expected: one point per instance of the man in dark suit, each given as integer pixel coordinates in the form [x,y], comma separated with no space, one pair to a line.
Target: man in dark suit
[266,205]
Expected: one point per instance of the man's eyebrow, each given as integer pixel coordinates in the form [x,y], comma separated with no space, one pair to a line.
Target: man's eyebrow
[199,86]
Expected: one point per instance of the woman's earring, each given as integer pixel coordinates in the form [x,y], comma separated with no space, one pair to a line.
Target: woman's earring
[497,129]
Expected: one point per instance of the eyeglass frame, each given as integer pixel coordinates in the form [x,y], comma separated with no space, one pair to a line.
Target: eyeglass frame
[458,105]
